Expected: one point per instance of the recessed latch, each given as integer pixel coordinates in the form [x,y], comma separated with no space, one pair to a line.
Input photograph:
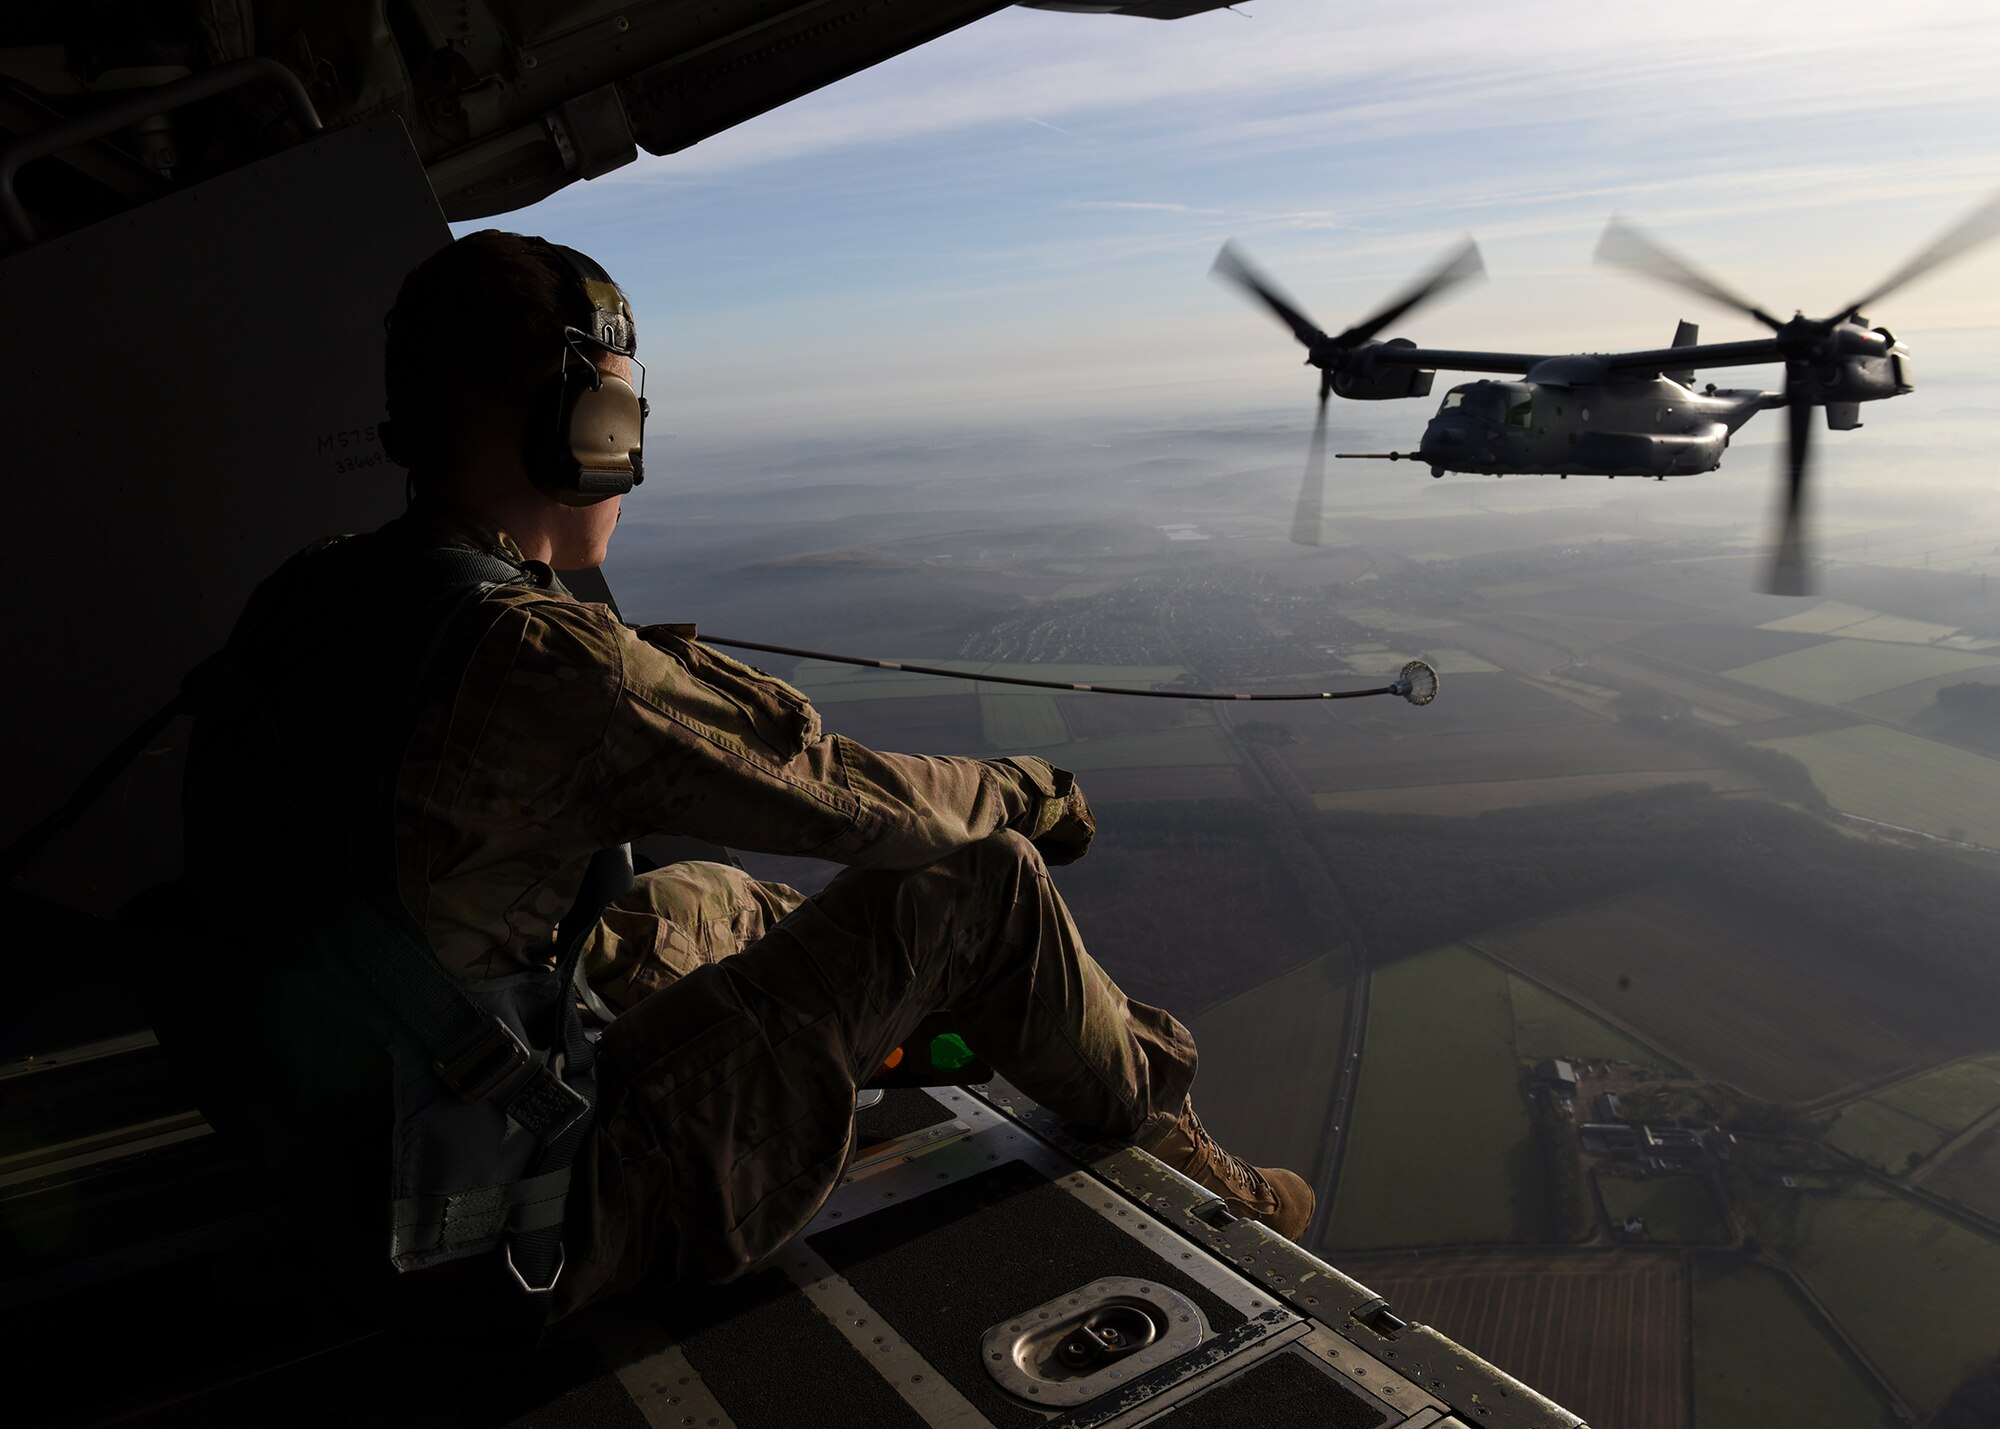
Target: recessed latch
[1092,1340]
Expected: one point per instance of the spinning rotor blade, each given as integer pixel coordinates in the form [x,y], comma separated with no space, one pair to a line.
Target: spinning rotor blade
[1624,246]
[1312,490]
[1977,227]
[1788,567]
[1461,265]
[1237,269]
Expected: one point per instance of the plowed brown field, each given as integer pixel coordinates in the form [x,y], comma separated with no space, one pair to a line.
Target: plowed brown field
[1602,1334]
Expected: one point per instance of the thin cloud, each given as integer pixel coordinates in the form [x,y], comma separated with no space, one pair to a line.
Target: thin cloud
[1346,67]
[1140,207]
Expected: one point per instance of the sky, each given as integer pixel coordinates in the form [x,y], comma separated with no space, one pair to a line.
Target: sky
[1016,222]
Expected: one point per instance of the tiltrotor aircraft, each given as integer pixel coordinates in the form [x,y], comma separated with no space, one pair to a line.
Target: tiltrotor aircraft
[1614,413]
[207,209]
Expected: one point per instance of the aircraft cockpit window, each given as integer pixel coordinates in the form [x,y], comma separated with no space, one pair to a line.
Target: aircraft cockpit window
[1519,413]
[1453,399]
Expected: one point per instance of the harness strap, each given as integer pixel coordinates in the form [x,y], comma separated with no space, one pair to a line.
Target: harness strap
[422,1224]
[478,1056]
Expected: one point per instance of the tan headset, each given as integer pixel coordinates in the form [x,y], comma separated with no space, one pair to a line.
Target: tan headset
[587,429]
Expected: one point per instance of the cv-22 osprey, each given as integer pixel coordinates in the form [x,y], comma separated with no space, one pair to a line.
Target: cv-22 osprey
[1617,413]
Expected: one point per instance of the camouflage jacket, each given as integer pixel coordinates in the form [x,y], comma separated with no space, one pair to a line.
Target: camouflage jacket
[571,731]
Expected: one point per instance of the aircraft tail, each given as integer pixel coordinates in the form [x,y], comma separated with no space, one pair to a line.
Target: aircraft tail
[1684,336]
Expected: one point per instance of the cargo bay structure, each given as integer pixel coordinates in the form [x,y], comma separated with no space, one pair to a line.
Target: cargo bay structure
[210,223]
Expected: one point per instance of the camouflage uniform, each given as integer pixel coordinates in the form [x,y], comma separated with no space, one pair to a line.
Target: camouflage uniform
[748,1013]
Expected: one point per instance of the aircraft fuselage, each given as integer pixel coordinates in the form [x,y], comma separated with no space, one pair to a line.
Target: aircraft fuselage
[1646,427]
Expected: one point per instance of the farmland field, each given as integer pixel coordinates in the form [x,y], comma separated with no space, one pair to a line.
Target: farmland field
[1918,1115]
[1918,1292]
[1677,1210]
[1841,670]
[1885,1138]
[1950,1097]
[1761,1359]
[1898,629]
[1580,746]
[1294,1021]
[1971,1176]
[1822,619]
[1165,748]
[1093,716]
[1465,800]
[1021,720]
[1735,991]
[1466,703]
[1601,1334]
[1397,621]
[1445,662]
[1188,781]
[1918,701]
[1717,647]
[1442,1148]
[1900,779]
[1547,1026]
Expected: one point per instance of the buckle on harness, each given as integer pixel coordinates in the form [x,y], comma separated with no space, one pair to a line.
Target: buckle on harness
[493,1068]
[499,1067]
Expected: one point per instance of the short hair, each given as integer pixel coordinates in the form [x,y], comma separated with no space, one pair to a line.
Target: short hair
[484,313]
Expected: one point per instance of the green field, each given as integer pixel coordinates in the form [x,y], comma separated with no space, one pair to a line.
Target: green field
[1918,1292]
[1882,1136]
[1853,622]
[1919,1115]
[1021,721]
[1677,1210]
[1950,1097]
[1442,1148]
[1293,1022]
[1822,619]
[1761,1360]
[1903,780]
[1164,748]
[1546,1025]
[1445,662]
[1843,670]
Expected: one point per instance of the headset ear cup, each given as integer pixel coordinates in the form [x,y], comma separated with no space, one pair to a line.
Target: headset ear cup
[584,437]
[606,434]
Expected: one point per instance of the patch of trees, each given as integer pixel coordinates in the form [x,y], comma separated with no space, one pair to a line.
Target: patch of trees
[1971,698]
[1414,881]
[1187,902]
[1648,711]
[1568,1210]
[1975,1404]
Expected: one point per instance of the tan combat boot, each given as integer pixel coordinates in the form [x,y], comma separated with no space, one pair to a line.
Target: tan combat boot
[1273,1195]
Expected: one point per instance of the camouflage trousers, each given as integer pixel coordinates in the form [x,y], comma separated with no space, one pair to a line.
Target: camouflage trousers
[726,1086]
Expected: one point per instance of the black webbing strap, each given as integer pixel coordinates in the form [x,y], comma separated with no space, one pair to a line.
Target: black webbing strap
[474,1052]
[535,1203]
[534,1253]
[477,1055]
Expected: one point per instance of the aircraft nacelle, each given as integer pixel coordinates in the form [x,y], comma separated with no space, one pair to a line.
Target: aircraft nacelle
[1363,379]
[1866,379]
